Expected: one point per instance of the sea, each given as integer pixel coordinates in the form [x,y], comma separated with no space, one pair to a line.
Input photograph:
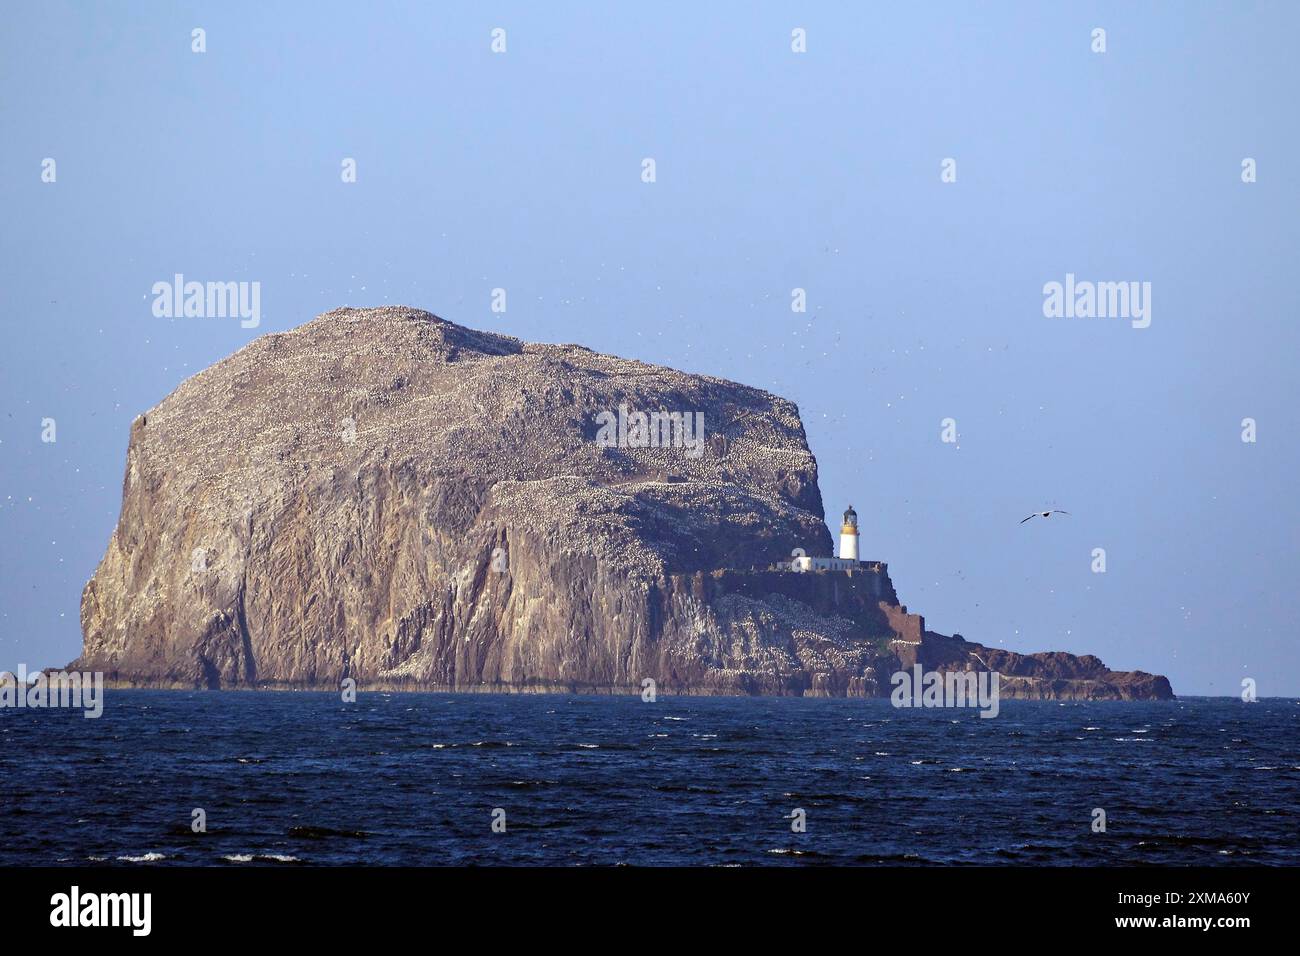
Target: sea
[282,779]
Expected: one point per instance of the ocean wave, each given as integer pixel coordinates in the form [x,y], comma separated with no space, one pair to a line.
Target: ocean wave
[260,858]
[321,833]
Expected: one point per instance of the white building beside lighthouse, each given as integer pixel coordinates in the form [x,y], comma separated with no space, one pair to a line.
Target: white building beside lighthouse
[848,559]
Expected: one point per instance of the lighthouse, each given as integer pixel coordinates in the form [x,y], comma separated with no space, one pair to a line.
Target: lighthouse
[848,559]
[849,536]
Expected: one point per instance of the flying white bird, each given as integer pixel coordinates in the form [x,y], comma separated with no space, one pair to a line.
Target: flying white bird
[1045,514]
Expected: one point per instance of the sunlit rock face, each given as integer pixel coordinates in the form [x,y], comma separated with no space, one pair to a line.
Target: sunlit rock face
[385,496]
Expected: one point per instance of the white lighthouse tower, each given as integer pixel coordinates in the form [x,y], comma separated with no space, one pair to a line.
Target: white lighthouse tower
[849,536]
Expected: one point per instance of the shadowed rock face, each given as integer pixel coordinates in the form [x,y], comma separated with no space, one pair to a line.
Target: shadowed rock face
[386,496]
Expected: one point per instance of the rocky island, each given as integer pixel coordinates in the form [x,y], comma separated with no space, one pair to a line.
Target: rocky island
[385,496]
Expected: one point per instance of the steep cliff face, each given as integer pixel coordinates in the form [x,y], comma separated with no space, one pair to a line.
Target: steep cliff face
[386,496]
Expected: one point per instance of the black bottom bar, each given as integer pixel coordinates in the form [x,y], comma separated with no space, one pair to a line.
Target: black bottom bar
[655,905]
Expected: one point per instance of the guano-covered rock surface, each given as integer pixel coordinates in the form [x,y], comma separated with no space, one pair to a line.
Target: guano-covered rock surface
[385,496]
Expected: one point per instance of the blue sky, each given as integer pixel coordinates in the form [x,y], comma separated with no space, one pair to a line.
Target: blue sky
[775,170]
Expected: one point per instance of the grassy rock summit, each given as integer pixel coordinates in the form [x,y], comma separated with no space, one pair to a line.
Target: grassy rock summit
[385,496]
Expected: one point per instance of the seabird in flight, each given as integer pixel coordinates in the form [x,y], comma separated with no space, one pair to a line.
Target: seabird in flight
[1045,514]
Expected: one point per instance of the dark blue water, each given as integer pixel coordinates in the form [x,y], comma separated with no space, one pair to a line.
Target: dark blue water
[414,778]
